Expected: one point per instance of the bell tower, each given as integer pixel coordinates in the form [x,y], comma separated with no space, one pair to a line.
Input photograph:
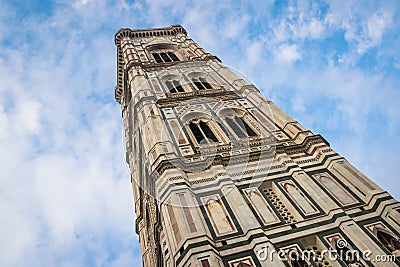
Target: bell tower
[222,177]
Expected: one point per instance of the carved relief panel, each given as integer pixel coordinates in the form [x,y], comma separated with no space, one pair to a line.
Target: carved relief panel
[335,189]
[298,197]
[218,215]
[261,206]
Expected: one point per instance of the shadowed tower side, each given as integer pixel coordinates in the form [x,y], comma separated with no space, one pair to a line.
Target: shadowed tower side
[219,173]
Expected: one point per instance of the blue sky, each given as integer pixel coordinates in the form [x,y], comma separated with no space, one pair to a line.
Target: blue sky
[65,190]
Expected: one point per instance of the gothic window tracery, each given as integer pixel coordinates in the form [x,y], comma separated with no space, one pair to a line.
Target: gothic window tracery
[279,205]
[162,57]
[174,86]
[202,131]
[385,237]
[201,83]
[240,127]
[293,254]
[345,253]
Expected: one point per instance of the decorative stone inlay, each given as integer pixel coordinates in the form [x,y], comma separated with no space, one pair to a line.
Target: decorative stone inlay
[279,206]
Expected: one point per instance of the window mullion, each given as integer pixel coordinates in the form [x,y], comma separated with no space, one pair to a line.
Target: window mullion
[204,83]
[195,131]
[201,130]
[237,130]
[240,128]
[165,57]
[245,126]
[198,84]
[171,88]
[169,56]
[178,86]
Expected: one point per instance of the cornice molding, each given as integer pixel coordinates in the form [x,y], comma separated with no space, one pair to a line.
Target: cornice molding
[170,31]
[151,66]
[164,165]
[173,100]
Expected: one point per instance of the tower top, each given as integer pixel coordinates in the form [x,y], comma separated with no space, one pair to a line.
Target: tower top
[140,33]
[153,49]
[136,35]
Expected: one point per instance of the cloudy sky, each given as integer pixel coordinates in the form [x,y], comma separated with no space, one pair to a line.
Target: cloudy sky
[65,196]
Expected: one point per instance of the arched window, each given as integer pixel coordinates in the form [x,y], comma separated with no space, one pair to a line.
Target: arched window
[201,131]
[240,127]
[174,86]
[165,57]
[296,260]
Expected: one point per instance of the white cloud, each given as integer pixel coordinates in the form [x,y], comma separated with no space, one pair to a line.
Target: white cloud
[316,28]
[287,53]
[364,25]
[66,194]
[28,116]
[235,25]
[254,52]
[300,21]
